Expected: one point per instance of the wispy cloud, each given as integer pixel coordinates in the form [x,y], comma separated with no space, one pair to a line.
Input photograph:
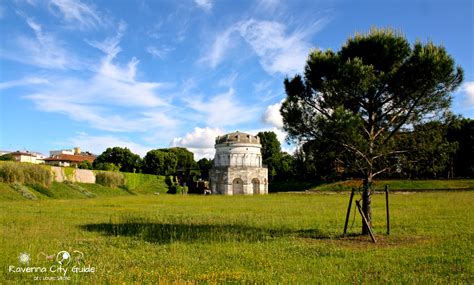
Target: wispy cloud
[77,13]
[159,52]
[43,50]
[27,81]
[279,51]
[222,110]
[228,81]
[206,5]
[95,100]
[221,44]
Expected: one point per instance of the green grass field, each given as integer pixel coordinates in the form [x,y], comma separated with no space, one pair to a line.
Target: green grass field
[394,185]
[285,238]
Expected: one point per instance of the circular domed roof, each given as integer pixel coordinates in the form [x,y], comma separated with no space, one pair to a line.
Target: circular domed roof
[238,137]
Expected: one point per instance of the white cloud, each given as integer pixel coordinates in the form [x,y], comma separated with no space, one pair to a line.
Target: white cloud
[200,141]
[158,52]
[77,12]
[206,5]
[23,82]
[222,109]
[278,50]
[98,144]
[468,89]
[272,116]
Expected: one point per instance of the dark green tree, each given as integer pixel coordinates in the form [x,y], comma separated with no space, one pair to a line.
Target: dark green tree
[185,158]
[204,165]
[7,157]
[364,94]
[160,162]
[429,154]
[461,131]
[270,144]
[271,152]
[126,160]
[85,165]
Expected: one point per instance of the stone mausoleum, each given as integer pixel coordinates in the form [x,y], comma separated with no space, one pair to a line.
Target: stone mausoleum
[238,166]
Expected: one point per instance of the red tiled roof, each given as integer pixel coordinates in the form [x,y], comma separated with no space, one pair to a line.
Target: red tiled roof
[71,158]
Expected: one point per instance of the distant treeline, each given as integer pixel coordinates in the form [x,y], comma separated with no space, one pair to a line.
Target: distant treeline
[427,151]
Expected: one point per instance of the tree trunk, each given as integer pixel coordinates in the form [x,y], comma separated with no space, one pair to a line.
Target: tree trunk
[366,201]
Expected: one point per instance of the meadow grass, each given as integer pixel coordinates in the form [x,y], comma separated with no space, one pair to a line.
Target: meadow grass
[395,185]
[277,238]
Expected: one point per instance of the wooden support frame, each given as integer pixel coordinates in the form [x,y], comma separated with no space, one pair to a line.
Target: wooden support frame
[348,211]
[387,209]
[364,220]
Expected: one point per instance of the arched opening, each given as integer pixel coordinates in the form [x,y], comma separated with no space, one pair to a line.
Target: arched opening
[237,186]
[256,186]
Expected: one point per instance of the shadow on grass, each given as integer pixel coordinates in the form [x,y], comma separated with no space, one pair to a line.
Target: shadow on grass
[171,232]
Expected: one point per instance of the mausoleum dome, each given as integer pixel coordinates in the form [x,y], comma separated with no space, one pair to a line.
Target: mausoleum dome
[238,137]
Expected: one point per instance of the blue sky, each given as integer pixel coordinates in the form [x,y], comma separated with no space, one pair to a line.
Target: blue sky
[151,74]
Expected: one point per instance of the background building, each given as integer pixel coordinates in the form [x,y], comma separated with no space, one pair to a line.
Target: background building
[69,157]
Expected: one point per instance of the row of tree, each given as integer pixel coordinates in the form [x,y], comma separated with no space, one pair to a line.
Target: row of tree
[164,161]
[427,151]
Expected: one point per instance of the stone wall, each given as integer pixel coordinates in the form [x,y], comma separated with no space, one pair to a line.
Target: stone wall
[76,175]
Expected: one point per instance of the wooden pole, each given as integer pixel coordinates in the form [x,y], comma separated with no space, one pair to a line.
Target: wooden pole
[348,211]
[388,209]
[364,220]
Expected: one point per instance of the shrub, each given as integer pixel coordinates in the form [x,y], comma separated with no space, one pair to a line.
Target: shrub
[24,191]
[7,157]
[84,191]
[168,181]
[41,189]
[24,173]
[173,189]
[107,166]
[110,179]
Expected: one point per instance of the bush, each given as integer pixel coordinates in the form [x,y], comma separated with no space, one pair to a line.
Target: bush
[110,179]
[107,166]
[168,181]
[24,191]
[84,191]
[24,173]
[7,157]
[173,189]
